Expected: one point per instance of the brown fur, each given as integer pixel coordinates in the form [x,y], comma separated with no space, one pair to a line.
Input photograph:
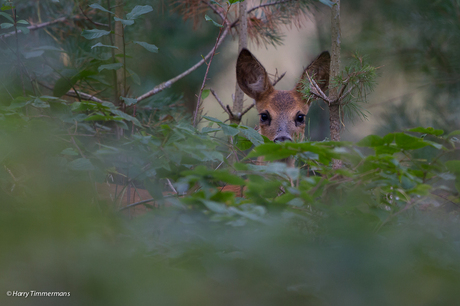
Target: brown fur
[282,107]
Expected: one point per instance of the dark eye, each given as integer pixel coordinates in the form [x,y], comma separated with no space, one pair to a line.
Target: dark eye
[263,117]
[300,118]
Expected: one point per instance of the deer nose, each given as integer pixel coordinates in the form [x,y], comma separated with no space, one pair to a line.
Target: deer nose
[281,138]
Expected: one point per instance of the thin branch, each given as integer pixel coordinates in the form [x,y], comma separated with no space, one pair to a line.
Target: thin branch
[168,83]
[71,93]
[268,4]
[17,51]
[136,204]
[317,91]
[171,186]
[216,10]
[90,20]
[220,102]
[247,109]
[342,97]
[198,103]
[85,96]
[37,26]
[229,111]
[278,79]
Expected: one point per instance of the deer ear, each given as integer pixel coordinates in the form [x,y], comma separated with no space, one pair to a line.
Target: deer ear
[251,75]
[318,70]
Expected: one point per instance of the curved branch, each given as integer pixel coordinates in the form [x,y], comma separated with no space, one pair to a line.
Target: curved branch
[168,83]
[37,26]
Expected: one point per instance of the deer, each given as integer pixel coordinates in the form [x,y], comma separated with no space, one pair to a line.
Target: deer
[282,112]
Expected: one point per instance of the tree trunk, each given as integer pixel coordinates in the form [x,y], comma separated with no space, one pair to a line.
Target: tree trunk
[242,43]
[119,12]
[334,108]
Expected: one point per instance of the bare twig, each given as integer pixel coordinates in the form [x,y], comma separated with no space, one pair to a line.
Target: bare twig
[136,204]
[83,95]
[72,93]
[268,4]
[217,11]
[229,111]
[317,91]
[220,102]
[198,103]
[17,51]
[37,26]
[168,83]
[278,79]
[171,186]
[90,20]
[247,109]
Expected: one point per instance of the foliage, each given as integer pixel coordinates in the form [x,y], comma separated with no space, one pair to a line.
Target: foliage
[382,230]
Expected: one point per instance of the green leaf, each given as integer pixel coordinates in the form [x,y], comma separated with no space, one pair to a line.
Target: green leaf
[93,34]
[327,2]
[19,102]
[428,130]
[134,76]
[205,94]
[101,45]
[408,142]
[50,48]
[33,54]
[24,30]
[124,22]
[252,135]
[81,164]
[210,19]
[241,143]
[62,86]
[453,166]
[126,117]
[129,101]
[114,66]
[453,133]
[229,130]
[206,130]
[139,10]
[70,152]
[148,47]
[212,119]
[234,1]
[370,141]
[7,16]
[6,25]
[22,21]
[98,7]
[215,207]
[272,151]
[40,103]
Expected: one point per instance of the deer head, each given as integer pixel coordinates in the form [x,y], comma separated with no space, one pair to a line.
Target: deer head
[282,112]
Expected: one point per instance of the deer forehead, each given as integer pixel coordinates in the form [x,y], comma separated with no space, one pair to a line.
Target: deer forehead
[282,102]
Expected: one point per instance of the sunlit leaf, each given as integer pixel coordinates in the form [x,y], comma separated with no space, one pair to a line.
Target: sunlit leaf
[114,66]
[139,10]
[93,34]
[147,46]
[99,7]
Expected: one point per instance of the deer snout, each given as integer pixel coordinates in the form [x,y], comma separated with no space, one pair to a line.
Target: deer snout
[282,137]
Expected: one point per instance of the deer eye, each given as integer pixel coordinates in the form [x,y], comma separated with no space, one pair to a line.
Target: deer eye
[264,117]
[300,118]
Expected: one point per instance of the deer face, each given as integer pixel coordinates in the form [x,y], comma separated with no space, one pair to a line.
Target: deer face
[282,112]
